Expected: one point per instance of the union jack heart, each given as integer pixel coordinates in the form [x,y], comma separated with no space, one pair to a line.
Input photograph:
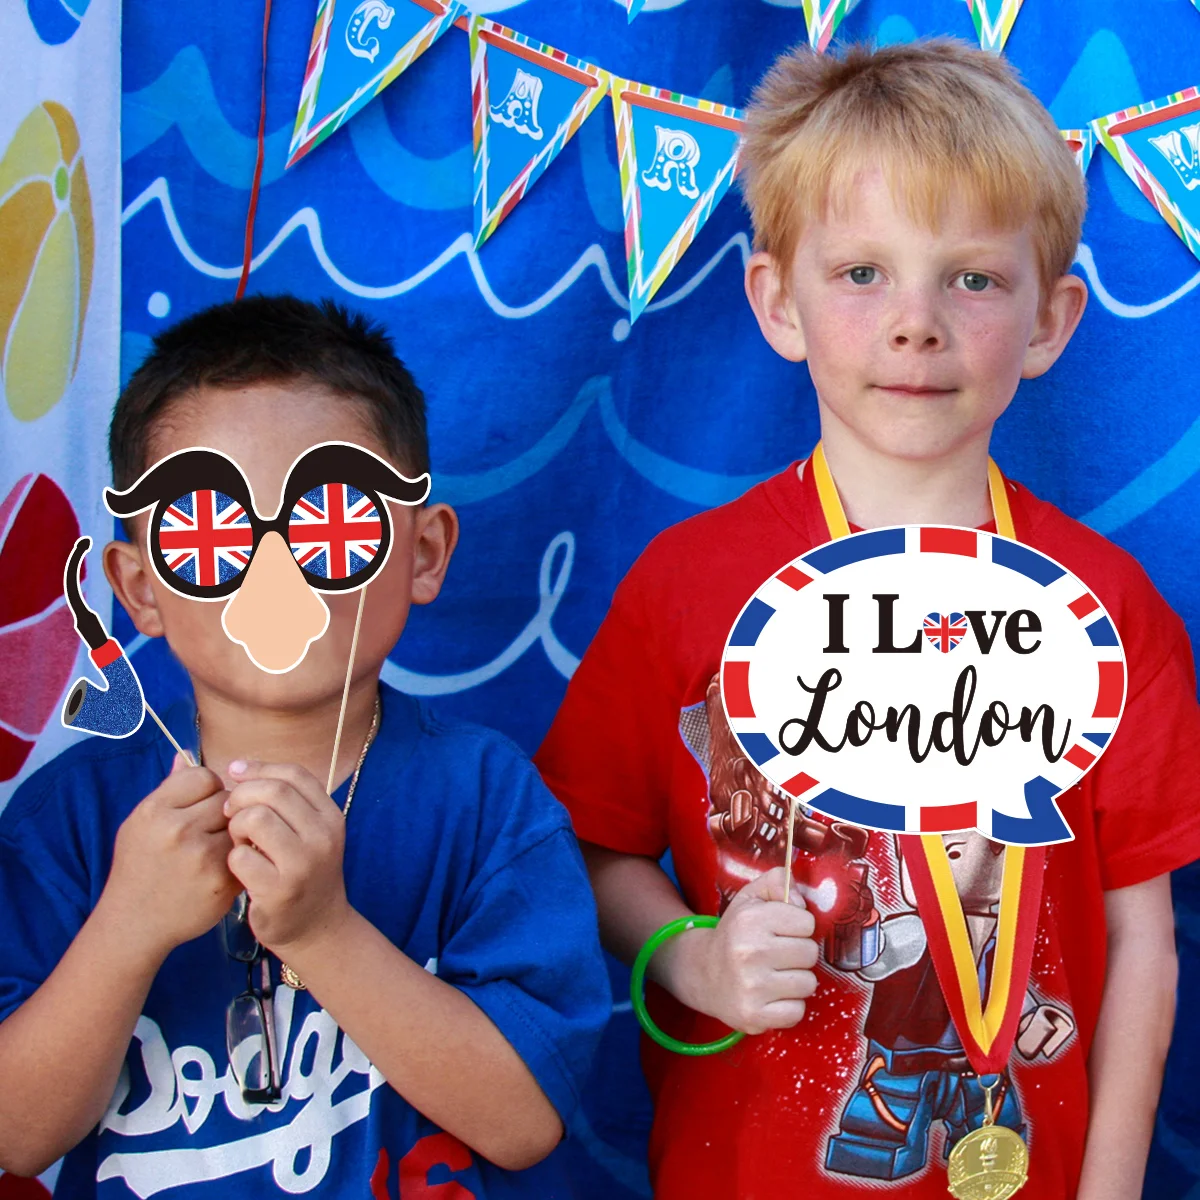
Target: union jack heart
[945,632]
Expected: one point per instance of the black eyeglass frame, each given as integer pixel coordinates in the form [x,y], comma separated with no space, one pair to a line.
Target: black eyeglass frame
[241,946]
[209,470]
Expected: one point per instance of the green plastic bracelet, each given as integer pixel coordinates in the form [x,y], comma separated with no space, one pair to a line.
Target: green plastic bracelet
[637,991]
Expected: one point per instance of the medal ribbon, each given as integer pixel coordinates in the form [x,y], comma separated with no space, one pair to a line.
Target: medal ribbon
[987,1032]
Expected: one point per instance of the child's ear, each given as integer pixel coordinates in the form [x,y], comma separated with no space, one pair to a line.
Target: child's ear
[434,539]
[1057,321]
[773,306]
[129,577]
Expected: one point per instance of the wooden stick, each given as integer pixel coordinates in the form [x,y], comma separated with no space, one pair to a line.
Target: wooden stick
[187,758]
[787,854]
[337,737]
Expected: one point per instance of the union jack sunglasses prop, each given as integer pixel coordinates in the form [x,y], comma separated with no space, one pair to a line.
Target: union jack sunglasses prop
[205,527]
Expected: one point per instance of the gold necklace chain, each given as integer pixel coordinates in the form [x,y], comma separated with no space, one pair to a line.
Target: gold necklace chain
[357,768]
[286,974]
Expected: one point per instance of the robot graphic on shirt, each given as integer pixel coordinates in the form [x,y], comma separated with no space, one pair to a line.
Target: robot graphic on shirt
[747,818]
[915,1071]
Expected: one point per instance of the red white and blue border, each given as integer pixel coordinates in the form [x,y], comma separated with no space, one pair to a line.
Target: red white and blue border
[1044,824]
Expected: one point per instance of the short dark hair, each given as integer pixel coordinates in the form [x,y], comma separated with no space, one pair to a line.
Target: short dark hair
[268,339]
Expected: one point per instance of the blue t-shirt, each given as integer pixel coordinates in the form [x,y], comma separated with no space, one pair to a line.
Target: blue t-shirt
[454,850]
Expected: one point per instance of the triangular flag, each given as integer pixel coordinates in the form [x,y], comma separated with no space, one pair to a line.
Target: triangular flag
[678,157]
[822,18]
[633,7]
[994,21]
[357,50]
[1158,147]
[527,101]
[1082,143]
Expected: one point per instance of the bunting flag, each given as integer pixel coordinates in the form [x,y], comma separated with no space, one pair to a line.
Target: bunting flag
[633,7]
[1083,144]
[822,18]
[994,21]
[355,53]
[1158,147]
[527,101]
[687,159]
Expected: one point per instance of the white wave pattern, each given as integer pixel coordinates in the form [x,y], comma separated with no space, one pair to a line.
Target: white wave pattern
[593,257]
[306,218]
[539,629]
[1087,260]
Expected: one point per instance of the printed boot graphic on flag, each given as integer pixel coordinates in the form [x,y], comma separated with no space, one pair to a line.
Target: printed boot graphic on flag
[1158,147]
[678,157]
[527,101]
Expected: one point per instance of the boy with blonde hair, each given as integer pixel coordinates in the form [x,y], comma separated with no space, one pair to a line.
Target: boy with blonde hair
[915,214]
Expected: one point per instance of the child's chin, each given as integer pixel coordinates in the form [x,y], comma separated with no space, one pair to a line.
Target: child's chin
[313,682]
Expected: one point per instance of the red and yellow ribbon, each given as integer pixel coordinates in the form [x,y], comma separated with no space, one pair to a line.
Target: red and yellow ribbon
[987,1031]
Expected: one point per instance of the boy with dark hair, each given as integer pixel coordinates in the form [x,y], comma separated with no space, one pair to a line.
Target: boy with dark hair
[915,214]
[385,1008]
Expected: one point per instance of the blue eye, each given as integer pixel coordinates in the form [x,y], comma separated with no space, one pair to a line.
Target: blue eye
[862,275]
[975,281]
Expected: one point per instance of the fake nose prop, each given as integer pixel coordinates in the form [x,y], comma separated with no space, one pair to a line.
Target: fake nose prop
[116,709]
[275,616]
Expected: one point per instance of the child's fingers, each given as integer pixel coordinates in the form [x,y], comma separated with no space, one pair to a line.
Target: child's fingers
[186,786]
[794,953]
[770,886]
[790,921]
[304,782]
[251,868]
[291,807]
[264,828]
[783,1014]
[793,985]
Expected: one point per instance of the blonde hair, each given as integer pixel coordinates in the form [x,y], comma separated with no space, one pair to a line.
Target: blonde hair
[941,118]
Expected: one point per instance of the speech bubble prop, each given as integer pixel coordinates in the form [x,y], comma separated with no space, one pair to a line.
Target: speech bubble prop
[331,532]
[926,679]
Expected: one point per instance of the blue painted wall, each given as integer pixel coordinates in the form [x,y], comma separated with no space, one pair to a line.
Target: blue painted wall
[566,439]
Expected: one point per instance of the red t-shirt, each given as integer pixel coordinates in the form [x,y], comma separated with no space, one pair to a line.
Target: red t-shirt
[869,1089]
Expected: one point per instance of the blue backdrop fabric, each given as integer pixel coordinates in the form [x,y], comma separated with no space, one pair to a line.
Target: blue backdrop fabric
[565,438]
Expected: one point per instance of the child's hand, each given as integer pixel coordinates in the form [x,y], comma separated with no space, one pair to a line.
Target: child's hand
[288,837]
[755,968]
[169,881]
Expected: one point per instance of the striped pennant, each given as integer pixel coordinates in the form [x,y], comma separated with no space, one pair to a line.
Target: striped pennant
[823,18]
[678,156]
[994,20]
[527,101]
[356,51]
[1158,147]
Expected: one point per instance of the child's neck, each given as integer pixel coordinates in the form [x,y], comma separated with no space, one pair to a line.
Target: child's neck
[879,490]
[229,731]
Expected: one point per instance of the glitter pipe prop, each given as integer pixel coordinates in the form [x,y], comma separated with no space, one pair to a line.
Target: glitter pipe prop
[115,710]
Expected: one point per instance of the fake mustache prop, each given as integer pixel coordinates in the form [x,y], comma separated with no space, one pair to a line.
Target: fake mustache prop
[117,709]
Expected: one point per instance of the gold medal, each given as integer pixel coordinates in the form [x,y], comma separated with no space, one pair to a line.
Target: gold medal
[990,1163]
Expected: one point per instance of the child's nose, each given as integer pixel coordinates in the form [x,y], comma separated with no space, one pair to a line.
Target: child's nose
[916,322]
[275,615]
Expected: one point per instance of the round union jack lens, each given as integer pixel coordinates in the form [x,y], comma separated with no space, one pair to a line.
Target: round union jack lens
[205,538]
[335,532]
